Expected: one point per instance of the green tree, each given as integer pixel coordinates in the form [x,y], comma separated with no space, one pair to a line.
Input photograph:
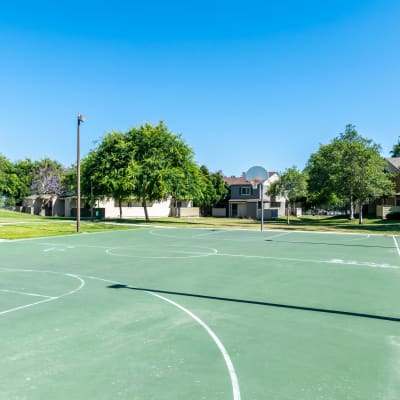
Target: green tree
[185,184]
[164,164]
[6,185]
[395,152]
[292,184]
[350,167]
[68,182]
[15,180]
[46,179]
[23,169]
[109,170]
[148,163]
[46,176]
[213,191]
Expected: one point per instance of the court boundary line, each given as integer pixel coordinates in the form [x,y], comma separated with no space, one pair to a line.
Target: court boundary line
[192,254]
[210,332]
[217,341]
[397,245]
[50,298]
[142,226]
[26,294]
[332,261]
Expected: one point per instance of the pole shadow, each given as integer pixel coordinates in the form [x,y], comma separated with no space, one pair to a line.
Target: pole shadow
[260,303]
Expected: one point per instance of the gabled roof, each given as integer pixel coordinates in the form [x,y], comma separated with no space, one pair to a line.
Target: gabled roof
[393,164]
[40,196]
[241,180]
[236,181]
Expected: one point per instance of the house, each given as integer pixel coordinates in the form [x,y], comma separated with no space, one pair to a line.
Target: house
[387,204]
[245,201]
[65,206]
[45,205]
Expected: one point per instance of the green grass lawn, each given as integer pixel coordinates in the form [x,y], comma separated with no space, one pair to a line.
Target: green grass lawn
[308,223]
[14,225]
[9,216]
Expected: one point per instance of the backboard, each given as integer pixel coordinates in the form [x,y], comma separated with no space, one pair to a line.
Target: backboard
[256,175]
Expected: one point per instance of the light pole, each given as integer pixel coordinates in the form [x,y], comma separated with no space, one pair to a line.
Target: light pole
[81,118]
[91,197]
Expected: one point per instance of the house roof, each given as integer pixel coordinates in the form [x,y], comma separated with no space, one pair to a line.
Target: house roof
[236,181]
[241,180]
[393,164]
[39,196]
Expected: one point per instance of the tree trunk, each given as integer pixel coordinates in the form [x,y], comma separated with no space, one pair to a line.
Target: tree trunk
[360,220]
[146,214]
[351,207]
[288,207]
[120,208]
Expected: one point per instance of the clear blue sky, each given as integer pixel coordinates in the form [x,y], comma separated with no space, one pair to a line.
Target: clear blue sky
[244,82]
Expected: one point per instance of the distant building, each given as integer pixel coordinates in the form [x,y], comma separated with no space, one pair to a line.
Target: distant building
[245,202]
[384,205]
[59,206]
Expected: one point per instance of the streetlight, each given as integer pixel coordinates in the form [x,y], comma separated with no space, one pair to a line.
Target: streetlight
[91,196]
[81,118]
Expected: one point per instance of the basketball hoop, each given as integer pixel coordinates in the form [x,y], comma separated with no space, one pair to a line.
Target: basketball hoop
[257,176]
[255,183]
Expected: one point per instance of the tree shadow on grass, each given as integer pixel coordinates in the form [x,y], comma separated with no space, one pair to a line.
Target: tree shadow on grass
[260,303]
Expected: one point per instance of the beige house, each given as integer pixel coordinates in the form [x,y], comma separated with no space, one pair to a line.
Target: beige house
[387,204]
[57,206]
[45,205]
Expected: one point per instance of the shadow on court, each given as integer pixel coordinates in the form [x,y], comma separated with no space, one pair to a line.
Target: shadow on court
[260,303]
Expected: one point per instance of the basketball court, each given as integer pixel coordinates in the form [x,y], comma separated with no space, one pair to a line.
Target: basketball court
[168,313]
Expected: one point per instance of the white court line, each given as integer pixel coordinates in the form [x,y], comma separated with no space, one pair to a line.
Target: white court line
[332,261]
[25,306]
[228,361]
[26,294]
[82,284]
[397,245]
[212,232]
[217,341]
[186,254]
[281,234]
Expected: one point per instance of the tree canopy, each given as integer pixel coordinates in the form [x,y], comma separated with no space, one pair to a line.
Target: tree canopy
[395,152]
[292,184]
[350,169]
[147,163]
[213,191]
[46,177]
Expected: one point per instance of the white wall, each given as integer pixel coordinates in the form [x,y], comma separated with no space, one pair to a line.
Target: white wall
[161,209]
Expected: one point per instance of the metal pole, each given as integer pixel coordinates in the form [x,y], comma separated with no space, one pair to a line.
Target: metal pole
[91,197]
[262,206]
[81,118]
[78,174]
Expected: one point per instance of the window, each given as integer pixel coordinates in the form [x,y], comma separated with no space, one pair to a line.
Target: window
[275,204]
[245,191]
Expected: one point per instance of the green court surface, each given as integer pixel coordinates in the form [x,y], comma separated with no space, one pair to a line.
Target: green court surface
[158,313]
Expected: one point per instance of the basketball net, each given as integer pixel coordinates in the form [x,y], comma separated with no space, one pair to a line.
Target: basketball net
[255,183]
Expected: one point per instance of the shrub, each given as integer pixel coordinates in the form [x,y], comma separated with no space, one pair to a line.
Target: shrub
[393,215]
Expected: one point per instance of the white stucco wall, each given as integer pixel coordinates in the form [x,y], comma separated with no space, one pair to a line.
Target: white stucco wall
[160,209]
